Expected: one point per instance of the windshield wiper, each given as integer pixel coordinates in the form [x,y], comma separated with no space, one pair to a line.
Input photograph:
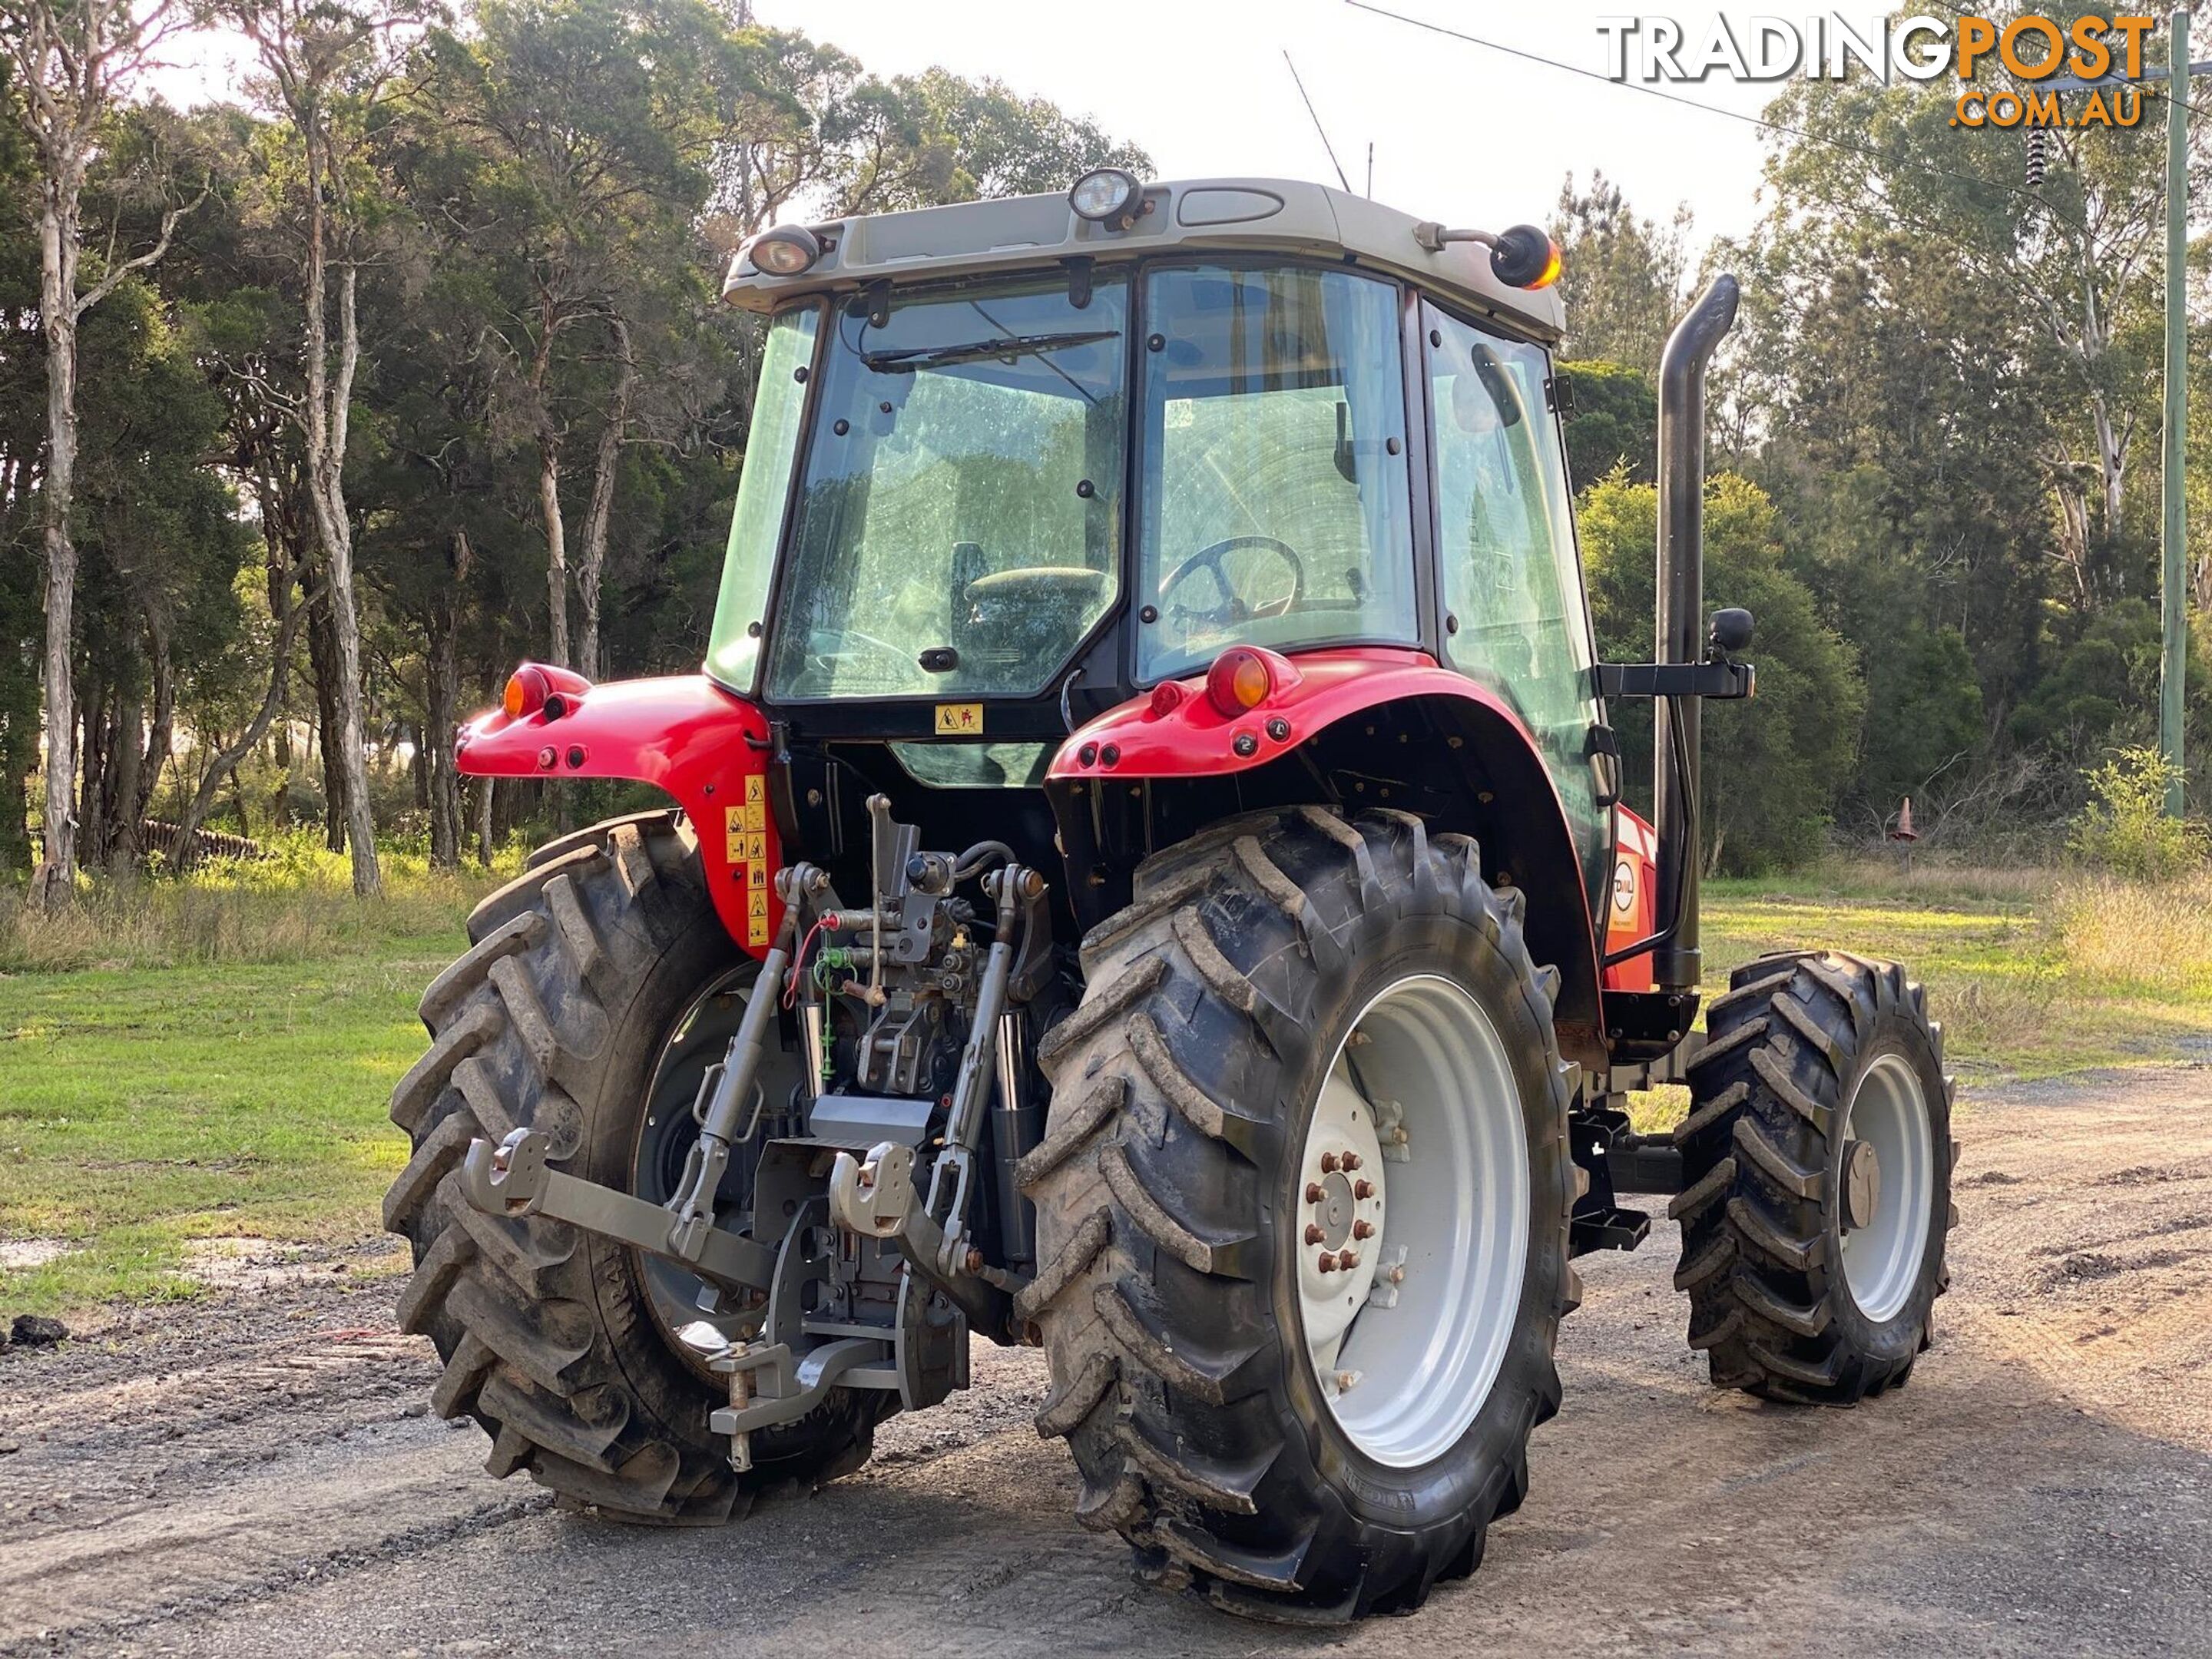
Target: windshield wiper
[907,360]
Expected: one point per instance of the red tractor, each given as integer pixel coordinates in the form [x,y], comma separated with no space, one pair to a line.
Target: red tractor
[1146,879]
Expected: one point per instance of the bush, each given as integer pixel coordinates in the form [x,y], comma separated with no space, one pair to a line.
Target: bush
[1774,767]
[2125,831]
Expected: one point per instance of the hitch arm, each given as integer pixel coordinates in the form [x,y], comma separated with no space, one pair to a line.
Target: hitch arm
[514,1179]
[877,1200]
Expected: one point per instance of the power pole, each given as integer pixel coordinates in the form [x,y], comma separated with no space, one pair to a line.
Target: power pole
[2175,537]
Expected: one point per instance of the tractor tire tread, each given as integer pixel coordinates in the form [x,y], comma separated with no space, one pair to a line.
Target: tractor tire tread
[1767,1301]
[1169,1411]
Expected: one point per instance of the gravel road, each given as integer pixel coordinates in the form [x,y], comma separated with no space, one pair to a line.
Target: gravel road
[256,1475]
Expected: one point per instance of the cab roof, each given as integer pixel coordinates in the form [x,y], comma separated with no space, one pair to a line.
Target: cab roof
[1193,216]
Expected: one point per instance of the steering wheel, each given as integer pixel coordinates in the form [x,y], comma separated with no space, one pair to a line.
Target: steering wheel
[1232,611]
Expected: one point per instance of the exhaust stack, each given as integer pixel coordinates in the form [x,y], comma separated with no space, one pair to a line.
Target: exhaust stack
[1677,964]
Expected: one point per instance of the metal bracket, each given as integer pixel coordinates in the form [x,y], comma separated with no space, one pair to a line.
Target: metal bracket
[514,1179]
[874,1198]
[1720,681]
[784,1389]
[877,1200]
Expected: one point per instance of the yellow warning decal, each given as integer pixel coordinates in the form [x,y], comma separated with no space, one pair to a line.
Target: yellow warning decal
[745,832]
[959,720]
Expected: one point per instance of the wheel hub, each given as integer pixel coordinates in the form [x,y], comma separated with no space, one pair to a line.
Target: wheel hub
[1411,1221]
[1335,1210]
[1862,1184]
[1888,1206]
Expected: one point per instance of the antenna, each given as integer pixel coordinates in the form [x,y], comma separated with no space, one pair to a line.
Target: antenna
[1371,169]
[1318,128]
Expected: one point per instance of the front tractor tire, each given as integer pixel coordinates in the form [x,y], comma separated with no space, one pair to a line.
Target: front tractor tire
[1816,1169]
[1302,1212]
[579,1011]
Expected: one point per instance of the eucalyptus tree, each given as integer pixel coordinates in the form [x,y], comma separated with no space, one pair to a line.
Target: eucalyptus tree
[586,125]
[325,66]
[73,63]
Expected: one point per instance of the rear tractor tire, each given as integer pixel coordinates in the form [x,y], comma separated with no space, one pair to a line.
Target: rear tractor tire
[597,988]
[1302,1212]
[1816,1169]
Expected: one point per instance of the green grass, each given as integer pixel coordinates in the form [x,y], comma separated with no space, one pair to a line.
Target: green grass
[143,1108]
[2032,974]
[222,1073]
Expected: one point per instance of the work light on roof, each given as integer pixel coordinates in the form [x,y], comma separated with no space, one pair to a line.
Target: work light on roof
[1104,196]
[786,250]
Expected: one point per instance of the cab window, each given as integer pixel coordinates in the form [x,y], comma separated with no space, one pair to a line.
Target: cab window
[1511,579]
[1276,505]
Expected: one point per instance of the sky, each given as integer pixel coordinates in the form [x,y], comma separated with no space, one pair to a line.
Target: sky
[1461,133]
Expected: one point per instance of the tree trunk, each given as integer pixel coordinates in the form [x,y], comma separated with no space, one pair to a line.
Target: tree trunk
[118,838]
[605,469]
[89,813]
[549,483]
[328,409]
[483,823]
[322,659]
[55,880]
[160,739]
[557,549]
[442,689]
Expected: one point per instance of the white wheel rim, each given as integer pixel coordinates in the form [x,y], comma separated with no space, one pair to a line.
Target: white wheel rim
[1406,1343]
[1889,1111]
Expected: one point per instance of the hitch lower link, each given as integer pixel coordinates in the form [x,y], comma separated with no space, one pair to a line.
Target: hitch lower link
[514,1179]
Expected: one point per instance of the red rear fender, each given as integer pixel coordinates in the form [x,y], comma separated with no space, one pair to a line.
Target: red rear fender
[686,735]
[1485,756]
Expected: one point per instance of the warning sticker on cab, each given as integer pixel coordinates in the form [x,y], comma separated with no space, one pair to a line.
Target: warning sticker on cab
[959,720]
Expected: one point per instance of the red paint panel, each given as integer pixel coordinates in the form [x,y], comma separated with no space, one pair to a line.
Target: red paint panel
[1628,909]
[1158,735]
[686,735]
[1192,737]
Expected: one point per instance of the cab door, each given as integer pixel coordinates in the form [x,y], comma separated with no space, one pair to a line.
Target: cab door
[1509,571]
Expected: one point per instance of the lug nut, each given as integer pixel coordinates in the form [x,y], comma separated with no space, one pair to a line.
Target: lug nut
[1327,1263]
[1345,1381]
[1329,1163]
[1348,1260]
[1351,1160]
[1315,1232]
[1314,1194]
[1363,1229]
[1363,1189]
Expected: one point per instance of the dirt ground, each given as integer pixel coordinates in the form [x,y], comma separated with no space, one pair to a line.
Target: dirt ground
[257,1475]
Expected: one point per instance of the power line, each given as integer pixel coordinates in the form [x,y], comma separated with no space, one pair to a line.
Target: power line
[1760,121]
[1318,128]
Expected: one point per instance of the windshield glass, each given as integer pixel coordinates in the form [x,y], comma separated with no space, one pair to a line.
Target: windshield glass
[1277,505]
[957,530]
[733,648]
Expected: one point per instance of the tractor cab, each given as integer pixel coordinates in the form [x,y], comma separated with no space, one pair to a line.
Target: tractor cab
[1017,465]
